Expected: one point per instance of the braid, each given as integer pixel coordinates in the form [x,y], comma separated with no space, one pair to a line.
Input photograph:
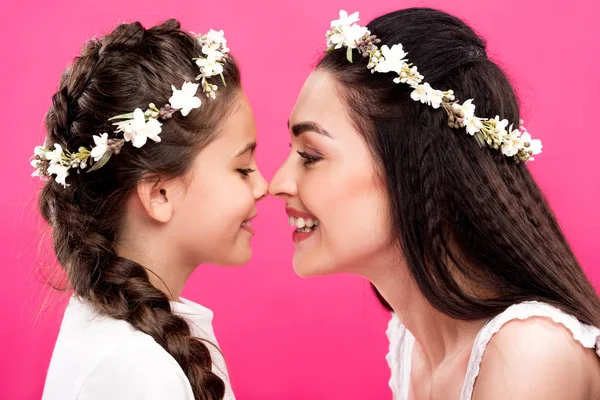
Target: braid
[85,216]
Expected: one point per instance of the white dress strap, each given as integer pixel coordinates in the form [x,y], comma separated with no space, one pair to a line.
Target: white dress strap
[399,357]
[588,336]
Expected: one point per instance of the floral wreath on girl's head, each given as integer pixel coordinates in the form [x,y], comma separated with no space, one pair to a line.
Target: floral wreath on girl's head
[139,126]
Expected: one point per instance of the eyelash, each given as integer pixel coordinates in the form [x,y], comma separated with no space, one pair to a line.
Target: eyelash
[245,172]
[308,158]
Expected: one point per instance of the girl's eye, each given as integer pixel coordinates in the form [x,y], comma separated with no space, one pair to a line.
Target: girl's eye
[309,159]
[245,172]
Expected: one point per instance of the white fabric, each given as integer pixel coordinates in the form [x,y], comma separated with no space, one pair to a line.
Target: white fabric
[101,358]
[401,345]
[399,356]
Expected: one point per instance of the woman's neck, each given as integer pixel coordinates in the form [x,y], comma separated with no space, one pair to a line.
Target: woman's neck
[439,336]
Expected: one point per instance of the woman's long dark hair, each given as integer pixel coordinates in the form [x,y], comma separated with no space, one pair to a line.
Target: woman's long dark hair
[461,213]
[129,68]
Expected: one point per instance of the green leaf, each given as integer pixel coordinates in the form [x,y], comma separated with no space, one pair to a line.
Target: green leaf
[349,53]
[100,163]
[122,116]
[223,79]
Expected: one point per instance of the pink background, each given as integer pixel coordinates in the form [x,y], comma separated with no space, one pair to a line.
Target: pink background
[285,337]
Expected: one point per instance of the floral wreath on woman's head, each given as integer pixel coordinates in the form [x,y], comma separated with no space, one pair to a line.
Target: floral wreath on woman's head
[516,143]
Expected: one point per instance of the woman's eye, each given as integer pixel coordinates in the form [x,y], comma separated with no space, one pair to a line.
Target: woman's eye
[308,158]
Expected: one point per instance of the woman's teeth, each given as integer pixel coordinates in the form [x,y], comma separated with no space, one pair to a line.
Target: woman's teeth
[303,225]
[246,223]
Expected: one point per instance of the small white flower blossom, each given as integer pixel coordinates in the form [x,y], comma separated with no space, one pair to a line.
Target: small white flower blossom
[185,99]
[345,19]
[214,50]
[471,123]
[468,109]
[35,164]
[500,126]
[212,54]
[419,94]
[209,68]
[393,59]
[351,35]
[101,146]
[535,145]
[55,156]
[434,96]
[427,95]
[375,58]
[335,40]
[216,38]
[345,32]
[512,143]
[61,172]
[410,76]
[475,125]
[137,130]
[39,151]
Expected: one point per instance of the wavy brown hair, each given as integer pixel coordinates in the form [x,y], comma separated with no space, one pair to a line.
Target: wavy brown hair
[129,68]
[475,229]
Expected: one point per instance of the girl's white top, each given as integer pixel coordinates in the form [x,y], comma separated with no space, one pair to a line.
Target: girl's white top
[97,357]
[401,343]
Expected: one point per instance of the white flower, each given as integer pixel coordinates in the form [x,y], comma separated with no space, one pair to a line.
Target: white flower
[212,53]
[472,123]
[60,171]
[345,19]
[208,67]
[500,127]
[35,164]
[137,130]
[393,59]
[535,145]
[39,151]
[375,58]
[435,97]
[419,94]
[344,32]
[210,64]
[101,146]
[427,95]
[468,109]
[185,99]
[218,38]
[335,40]
[55,156]
[351,35]
[512,143]
[410,76]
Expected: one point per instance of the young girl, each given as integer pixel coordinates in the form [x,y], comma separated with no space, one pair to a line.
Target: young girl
[408,168]
[150,170]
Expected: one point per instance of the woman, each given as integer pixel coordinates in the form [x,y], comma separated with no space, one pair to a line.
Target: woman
[408,168]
